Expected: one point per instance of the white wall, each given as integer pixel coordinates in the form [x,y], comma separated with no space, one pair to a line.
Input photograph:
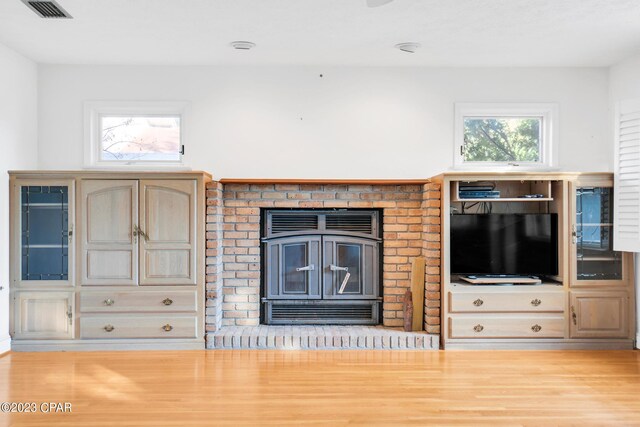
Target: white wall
[624,83]
[18,139]
[288,122]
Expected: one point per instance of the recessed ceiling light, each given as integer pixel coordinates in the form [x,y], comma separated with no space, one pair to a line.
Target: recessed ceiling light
[410,47]
[240,45]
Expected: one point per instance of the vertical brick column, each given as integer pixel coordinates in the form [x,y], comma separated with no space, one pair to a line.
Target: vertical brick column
[402,233]
[241,249]
[214,261]
[431,240]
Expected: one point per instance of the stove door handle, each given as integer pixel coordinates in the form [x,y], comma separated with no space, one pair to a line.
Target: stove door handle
[309,267]
[338,268]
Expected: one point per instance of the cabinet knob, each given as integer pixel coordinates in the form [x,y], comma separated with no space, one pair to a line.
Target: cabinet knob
[109,302]
[167,301]
[536,328]
[109,328]
[478,302]
[167,327]
[536,302]
[478,328]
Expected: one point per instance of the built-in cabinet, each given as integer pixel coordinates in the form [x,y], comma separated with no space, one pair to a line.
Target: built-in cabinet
[138,232]
[600,285]
[127,274]
[44,315]
[589,304]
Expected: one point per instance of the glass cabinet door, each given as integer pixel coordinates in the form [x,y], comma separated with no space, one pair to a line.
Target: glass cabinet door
[46,233]
[592,236]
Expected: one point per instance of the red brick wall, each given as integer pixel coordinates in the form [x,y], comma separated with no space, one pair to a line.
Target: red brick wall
[411,227]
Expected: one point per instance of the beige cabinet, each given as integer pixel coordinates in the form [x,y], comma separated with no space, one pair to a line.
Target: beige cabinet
[138,232]
[600,287]
[603,314]
[131,275]
[476,313]
[109,211]
[593,261]
[168,243]
[43,315]
[42,233]
[507,326]
[136,326]
[589,303]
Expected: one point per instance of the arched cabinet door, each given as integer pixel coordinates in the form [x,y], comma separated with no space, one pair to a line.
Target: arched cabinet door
[167,232]
[108,244]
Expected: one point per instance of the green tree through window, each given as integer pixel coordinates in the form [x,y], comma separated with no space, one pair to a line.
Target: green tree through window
[511,139]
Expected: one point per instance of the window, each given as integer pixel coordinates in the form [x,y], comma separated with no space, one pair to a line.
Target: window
[134,133]
[504,135]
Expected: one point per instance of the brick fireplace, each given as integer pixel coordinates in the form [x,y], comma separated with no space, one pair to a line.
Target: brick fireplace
[411,228]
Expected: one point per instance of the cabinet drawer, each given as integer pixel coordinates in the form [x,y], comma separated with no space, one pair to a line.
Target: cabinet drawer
[120,301]
[505,302]
[506,327]
[152,326]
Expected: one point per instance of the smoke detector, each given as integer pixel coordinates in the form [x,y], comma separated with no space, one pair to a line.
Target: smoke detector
[410,47]
[240,45]
[47,9]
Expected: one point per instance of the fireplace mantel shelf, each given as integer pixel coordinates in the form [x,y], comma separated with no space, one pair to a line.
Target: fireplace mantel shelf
[324,181]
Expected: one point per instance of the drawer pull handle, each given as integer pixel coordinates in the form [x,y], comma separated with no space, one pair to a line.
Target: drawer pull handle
[167,328]
[478,328]
[536,302]
[109,328]
[167,301]
[536,328]
[109,302]
[478,302]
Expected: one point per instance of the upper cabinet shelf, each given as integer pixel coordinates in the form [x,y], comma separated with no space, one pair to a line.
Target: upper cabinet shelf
[501,191]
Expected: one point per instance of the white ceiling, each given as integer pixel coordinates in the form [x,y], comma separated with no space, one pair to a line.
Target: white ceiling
[332,32]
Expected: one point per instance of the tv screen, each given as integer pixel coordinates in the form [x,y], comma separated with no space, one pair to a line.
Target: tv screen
[513,244]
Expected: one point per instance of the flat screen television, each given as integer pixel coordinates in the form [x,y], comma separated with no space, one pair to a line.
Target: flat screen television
[504,244]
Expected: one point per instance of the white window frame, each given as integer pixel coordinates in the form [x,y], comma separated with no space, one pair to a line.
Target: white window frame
[95,110]
[548,112]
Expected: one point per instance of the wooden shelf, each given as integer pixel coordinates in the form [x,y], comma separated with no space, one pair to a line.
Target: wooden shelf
[598,258]
[509,191]
[505,199]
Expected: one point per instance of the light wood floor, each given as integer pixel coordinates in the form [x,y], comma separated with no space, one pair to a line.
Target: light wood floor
[231,387]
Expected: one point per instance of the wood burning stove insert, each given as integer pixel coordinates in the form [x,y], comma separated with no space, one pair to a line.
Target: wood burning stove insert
[321,267]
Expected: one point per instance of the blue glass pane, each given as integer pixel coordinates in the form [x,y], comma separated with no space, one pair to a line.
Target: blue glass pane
[596,259]
[44,233]
[46,225]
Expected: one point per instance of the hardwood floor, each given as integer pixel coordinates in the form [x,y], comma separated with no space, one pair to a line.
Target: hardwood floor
[231,387]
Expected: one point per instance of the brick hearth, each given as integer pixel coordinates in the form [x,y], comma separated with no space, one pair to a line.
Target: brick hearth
[320,337]
[411,227]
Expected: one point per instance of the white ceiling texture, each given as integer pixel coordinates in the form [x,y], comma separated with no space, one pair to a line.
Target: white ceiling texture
[457,33]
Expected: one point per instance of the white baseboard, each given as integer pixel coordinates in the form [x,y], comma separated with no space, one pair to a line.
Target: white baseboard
[637,341]
[5,344]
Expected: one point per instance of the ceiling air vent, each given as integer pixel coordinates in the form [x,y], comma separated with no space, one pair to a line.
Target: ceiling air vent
[47,9]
